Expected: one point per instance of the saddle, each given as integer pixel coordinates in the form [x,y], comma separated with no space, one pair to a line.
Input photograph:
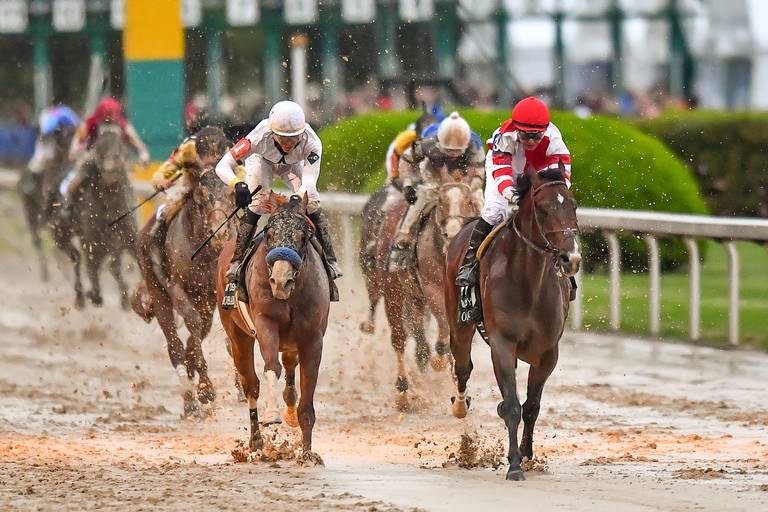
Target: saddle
[241,294]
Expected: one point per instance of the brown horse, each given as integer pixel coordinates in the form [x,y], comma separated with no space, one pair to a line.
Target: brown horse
[105,194]
[38,188]
[189,286]
[408,295]
[288,305]
[524,289]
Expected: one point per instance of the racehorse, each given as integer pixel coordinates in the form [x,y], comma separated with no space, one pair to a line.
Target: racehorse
[105,193]
[38,188]
[189,286]
[524,289]
[408,295]
[288,304]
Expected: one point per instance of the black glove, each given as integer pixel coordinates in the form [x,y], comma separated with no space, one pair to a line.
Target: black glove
[242,195]
[410,194]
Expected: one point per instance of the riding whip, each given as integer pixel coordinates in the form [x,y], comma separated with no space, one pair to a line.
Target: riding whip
[229,217]
[176,177]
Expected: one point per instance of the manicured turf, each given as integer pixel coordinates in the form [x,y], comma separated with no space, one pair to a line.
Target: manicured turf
[674,299]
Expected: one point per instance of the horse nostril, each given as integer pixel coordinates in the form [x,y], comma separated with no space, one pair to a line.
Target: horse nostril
[564,259]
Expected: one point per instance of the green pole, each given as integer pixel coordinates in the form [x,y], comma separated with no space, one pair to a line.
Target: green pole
[681,65]
[41,29]
[330,20]
[96,28]
[617,42]
[444,30]
[560,85]
[386,25]
[503,87]
[272,23]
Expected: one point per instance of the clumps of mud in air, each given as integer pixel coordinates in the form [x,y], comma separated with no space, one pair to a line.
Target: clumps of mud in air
[279,445]
[474,453]
[538,464]
[699,473]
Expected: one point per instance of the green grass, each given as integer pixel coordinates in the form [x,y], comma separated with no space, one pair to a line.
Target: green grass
[753,294]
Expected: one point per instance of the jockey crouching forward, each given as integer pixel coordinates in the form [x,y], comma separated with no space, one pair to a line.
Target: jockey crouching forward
[202,150]
[108,110]
[425,167]
[405,140]
[527,138]
[283,145]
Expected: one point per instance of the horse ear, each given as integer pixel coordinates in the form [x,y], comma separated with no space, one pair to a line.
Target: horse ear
[561,166]
[533,175]
[305,202]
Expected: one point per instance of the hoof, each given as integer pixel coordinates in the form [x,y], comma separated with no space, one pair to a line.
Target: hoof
[460,406]
[256,443]
[271,418]
[290,416]
[289,396]
[401,402]
[192,409]
[309,458]
[401,384]
[515,474]
[366,327]
[205,393]
[95,299]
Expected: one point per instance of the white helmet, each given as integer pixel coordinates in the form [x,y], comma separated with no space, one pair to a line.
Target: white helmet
[454,132]
[287,118]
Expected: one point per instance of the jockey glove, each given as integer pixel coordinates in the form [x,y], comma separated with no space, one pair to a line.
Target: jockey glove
[410,194]
[242,195]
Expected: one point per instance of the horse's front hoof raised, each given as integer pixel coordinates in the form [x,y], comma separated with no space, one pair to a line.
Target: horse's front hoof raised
[290,416]
[205,392]
[460,406]
[366,327]
[516,475]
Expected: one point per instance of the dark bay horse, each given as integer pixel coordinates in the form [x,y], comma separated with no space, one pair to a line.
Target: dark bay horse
[38,187]
[410,294]
[104,195]
[189,288]
[288,304]
[524,288]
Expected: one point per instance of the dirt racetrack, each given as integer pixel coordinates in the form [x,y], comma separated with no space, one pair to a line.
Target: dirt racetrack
[90,419]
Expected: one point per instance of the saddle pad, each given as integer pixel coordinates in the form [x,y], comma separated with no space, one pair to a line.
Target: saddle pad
[491,236]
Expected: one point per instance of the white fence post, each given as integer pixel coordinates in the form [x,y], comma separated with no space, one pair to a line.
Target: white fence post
[694,288]
[615,279]
[654,287]
[733,292]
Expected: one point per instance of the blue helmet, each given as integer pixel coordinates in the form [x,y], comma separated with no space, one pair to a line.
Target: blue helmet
[55,118]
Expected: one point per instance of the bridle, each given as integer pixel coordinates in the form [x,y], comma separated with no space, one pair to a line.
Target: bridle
[297,256]
[548,247]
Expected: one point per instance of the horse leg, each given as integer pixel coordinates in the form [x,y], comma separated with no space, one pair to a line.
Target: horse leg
[199,326]
[242,355]
[65,244]
[504,356]
[373,300]
[267,335]
[309,358]
[398,338]
[423,352]
[290,414]
[436,303]
[116,271]
[164,313]
[93,263]
[38,245]
[537,377]
[461,349]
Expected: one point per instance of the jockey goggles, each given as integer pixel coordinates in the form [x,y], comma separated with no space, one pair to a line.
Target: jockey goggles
[530,135]
[290,141]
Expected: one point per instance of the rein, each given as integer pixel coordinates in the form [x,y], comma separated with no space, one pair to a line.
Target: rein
[548,248]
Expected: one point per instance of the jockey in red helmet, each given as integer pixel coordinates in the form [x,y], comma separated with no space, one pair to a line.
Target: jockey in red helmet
[108,110]
[526,138]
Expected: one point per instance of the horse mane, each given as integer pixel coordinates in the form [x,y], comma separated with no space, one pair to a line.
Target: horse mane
[275,201]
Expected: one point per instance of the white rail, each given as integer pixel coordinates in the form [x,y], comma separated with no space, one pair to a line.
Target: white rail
[610,222]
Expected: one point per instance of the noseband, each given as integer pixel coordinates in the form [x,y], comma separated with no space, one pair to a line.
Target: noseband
[548,248]
[288,253]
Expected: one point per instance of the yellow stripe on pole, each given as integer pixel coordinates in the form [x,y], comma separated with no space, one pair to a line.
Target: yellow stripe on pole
[153,30]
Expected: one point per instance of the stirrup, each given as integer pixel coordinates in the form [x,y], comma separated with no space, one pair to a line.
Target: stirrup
[334,271]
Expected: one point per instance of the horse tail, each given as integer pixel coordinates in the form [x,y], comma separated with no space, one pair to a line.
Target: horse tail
[158,293]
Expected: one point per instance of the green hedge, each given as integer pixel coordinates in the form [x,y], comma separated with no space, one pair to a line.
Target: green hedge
[614,166]
[728,153]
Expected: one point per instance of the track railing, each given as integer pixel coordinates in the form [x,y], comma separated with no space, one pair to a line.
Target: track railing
[609,222]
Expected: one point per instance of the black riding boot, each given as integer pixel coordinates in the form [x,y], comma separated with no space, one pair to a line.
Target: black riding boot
[323,234]
[244,234]
[468,272]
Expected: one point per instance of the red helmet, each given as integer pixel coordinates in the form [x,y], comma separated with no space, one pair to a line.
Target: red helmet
[109,108]
[530,115]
